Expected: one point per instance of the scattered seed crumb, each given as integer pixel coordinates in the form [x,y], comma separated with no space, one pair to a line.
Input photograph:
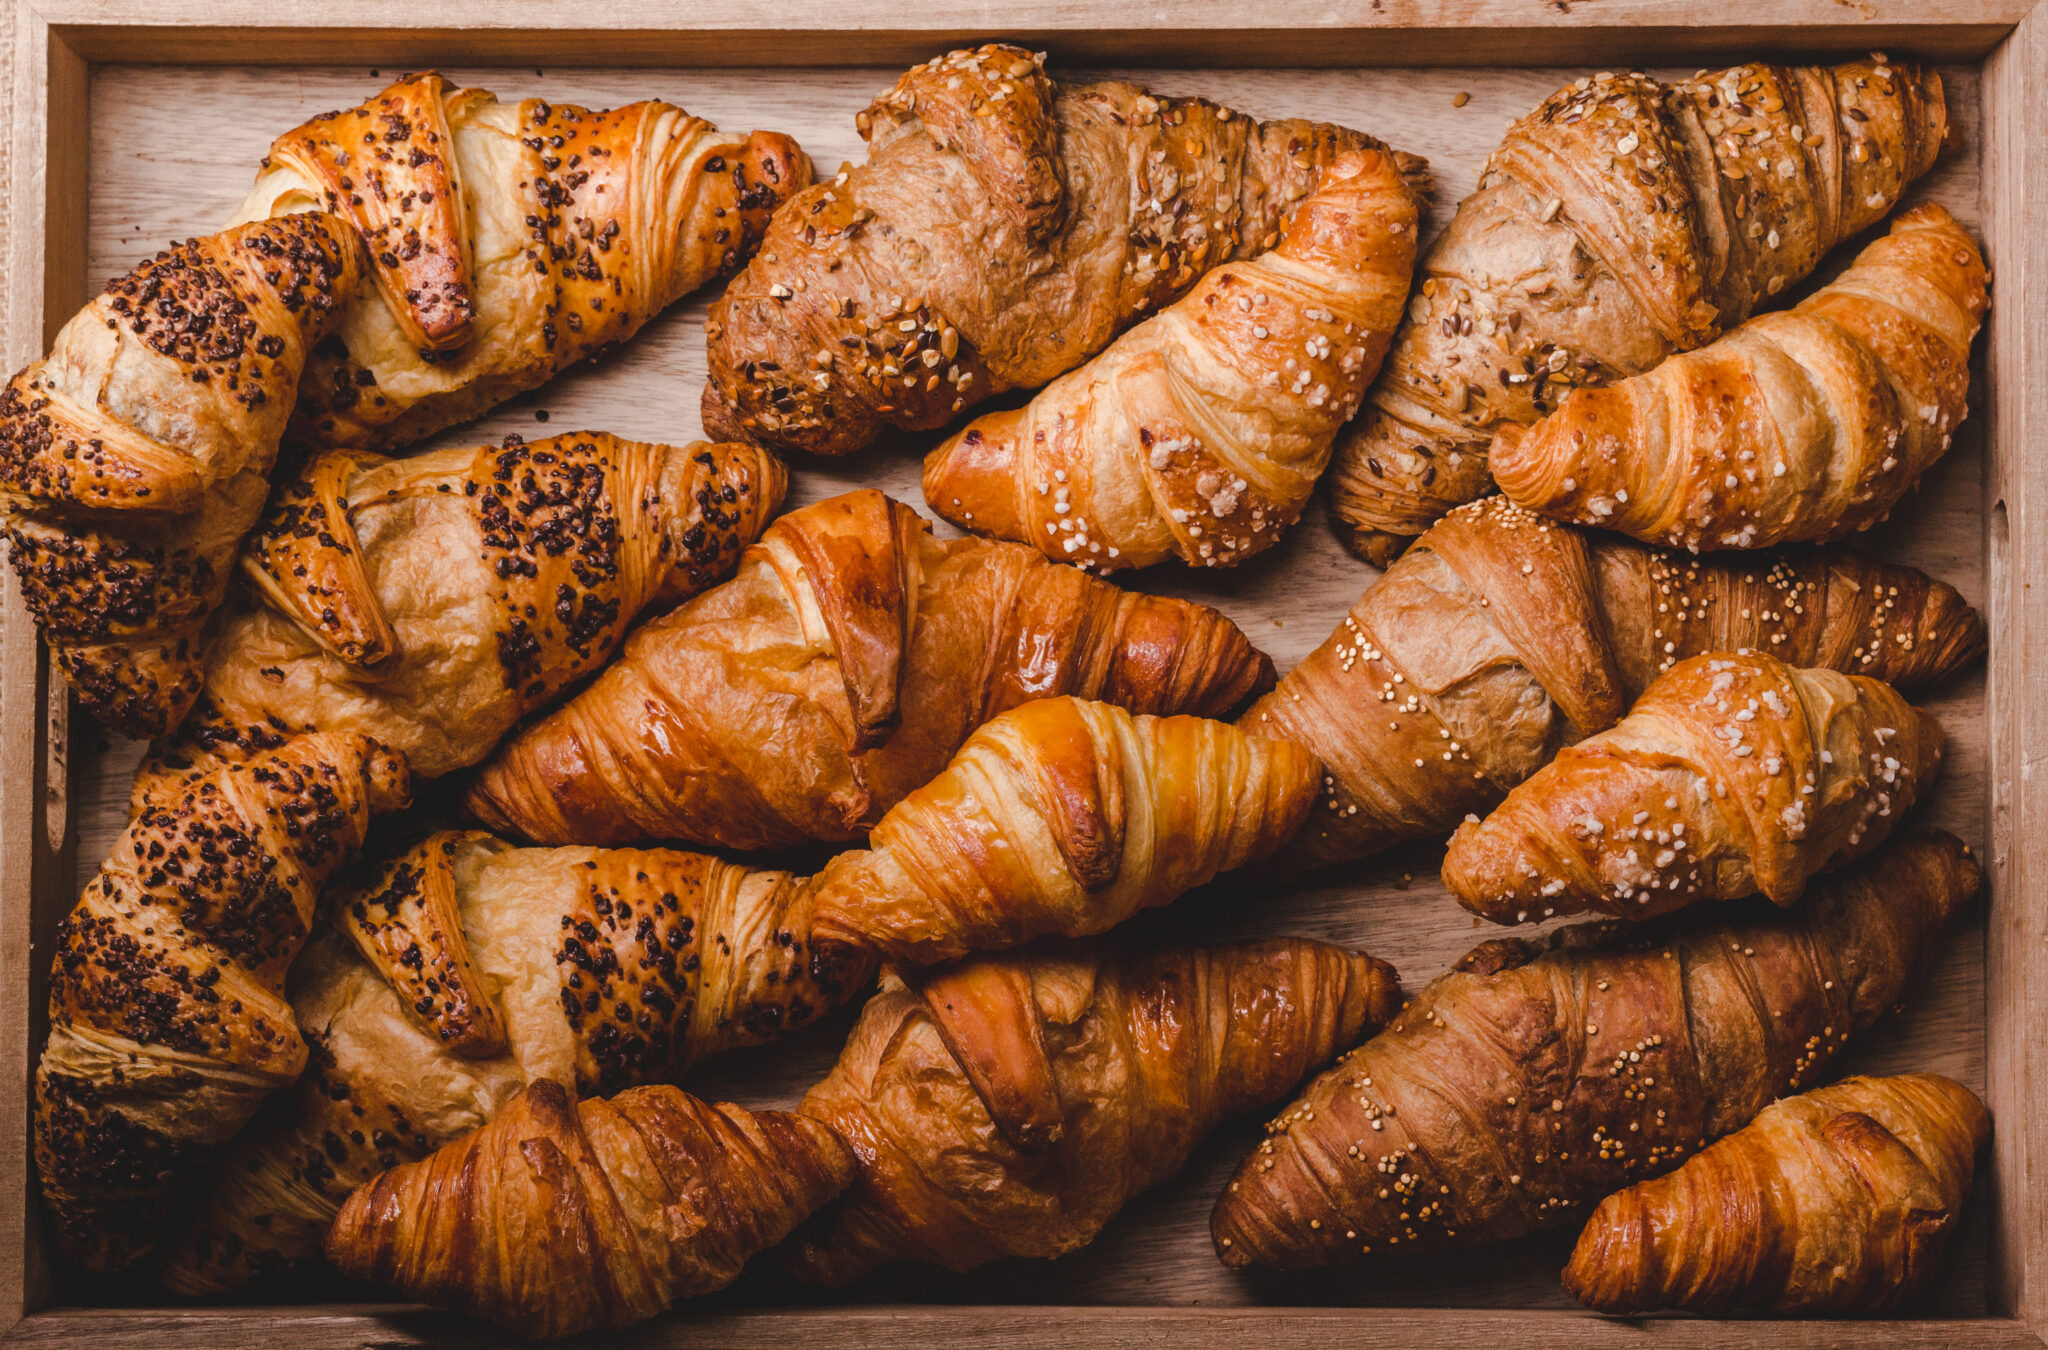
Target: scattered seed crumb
[540,414]
[1460,99]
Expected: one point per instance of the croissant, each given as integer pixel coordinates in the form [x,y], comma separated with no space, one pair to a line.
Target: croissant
[842,667]
[1839,1200]
[1008,1106]
[467,968]
[1004,228]
[1200,432]
[1801,425]
[168,1023]
[1532,1080]
[431,602]
[558,1217]
[135,456]
[1062,817]
[1501,637]
[507,242]
[1735,774]
[1620,222]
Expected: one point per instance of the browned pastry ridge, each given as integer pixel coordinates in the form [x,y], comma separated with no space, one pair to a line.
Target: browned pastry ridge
[168,1022]
[1621,221]
[1501,637]
[1005,227]
[431,602]
[1806,424]
[840,669]
[1839,1200]
[466,969]
[558,1217]
[1734,774]
[508,241]
[1532,1080]
[1199,433]
[135,456]
[1009,1106]
[1065,817]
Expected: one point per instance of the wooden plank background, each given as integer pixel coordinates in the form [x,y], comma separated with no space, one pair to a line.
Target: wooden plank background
[172,151]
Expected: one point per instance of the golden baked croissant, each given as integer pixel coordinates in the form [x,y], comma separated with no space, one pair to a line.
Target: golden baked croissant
[840,669]
[431,602]
[467,968]
[1839,1200]
[135,456]
[508,242]
[1004,228]
[1199,433]
[1531,1080]
[1008,1106]
[1800,425]
[1734,774]
[1062,817]
[558,1217]
[1621,221]
[168,1023]
[1501,636]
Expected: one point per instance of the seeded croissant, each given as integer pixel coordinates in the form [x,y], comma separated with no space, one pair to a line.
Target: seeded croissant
[558,1218]
[1004,228]
[1532,1080]
[168,1023]
[1802,425]
[1734,774]
[1837,1201]
[467,968]
[1200,432]
[1620,222]
[1062,817]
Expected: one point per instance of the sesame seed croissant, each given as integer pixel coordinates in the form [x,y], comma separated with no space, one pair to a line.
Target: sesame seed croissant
[1839,1200]
[1803,425]
[1066,817]
[1199,433]
[467,968]
[1621,221]
[1735,774]
[1535,1078]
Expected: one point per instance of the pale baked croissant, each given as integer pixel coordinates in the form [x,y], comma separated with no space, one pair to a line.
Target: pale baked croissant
[1621,221]
[1501,637]
[507,241]
[1004,228]
[558,1217]
[168,1022]
[1062,817]
[841,668]
[1801,425]
[1734,774]
[1009,1106]
[1839,1200]
[431,602]
[1533,1079]
[467,968]
[1199,433]
[135,456]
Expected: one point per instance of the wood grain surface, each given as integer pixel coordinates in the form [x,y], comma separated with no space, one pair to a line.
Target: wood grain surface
[173,149]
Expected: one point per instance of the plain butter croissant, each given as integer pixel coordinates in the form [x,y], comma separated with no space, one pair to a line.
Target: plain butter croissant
[840,669]
[1062,817]
[1734,774]
[1009,1106]
[1004,228]
[1199,433]
[1621,221]
[561,1217]
[1801,425]
[1533,1079]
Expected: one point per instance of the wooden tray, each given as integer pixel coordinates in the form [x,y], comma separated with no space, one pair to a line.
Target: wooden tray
[135,121]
